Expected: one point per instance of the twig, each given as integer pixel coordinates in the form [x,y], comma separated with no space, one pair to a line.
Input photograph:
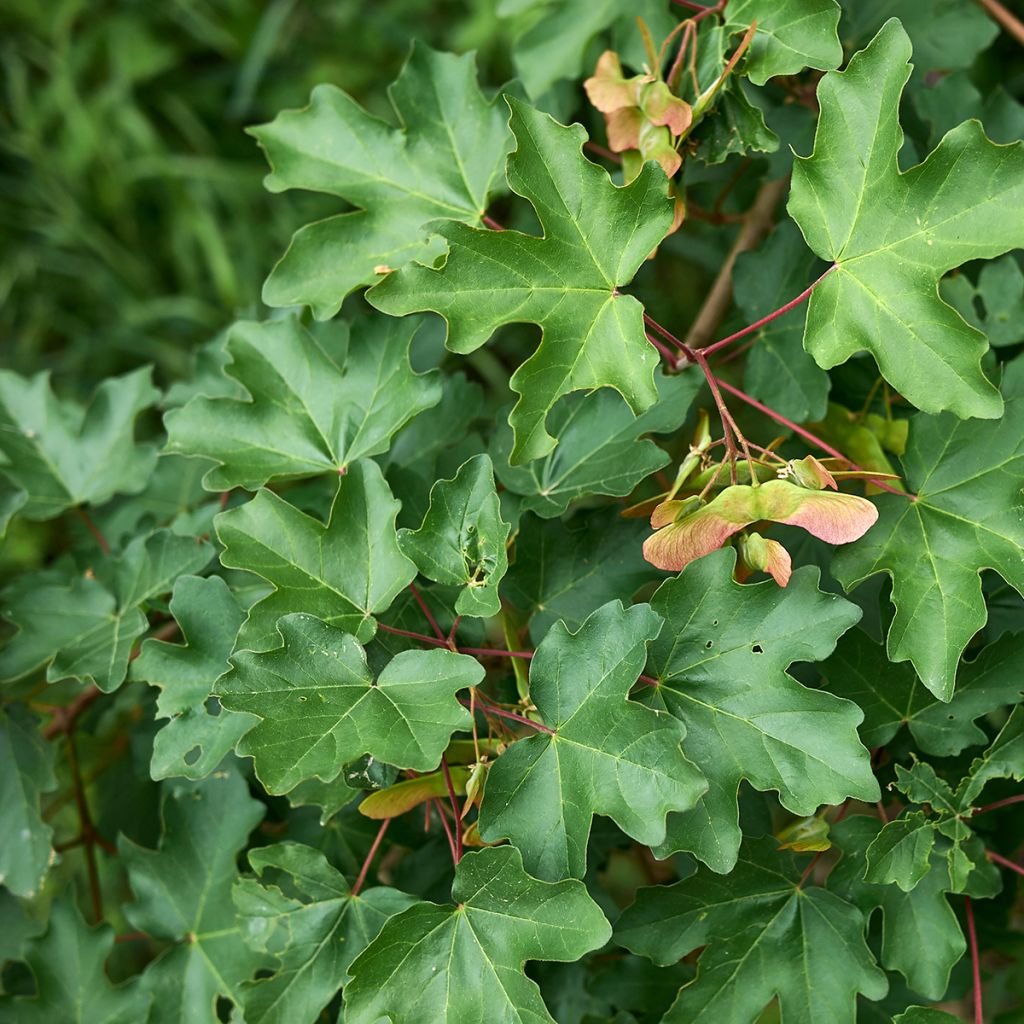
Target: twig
[369,857]
[511,715]
[455,808]
[997,859]
[1010,22]
[808,436]
[447,829]
[64,719]
[428,613]
[491,223]
[979,1013]
[94,530]
[781,311]
[88,831]
[999,803]
[757,223]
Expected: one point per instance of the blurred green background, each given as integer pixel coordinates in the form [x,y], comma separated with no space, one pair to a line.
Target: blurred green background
[134,222]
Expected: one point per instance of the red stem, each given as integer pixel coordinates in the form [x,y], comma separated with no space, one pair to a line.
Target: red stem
[453,631]
[438,632]
[808,436]
[781,311]
[369,857]
[993,856]
[491,709]
[808,870]
[600,151]
[447,828]
[999,803]
[491,223]
[132,937]
[665,351]
[455,808]
[94,530]
[979,1013]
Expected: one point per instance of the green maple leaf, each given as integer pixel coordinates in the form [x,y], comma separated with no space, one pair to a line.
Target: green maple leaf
[766,937]
[445,161]
[183,895]
[1004,759]
[462,963]
[556,45]
[607,755]
[946,33]
[925,1015]
[565,571]
[891,695]
[344,572]
[907,918]
[72,986]
[902,852]
[301,909]
[1000,292]
[791,35]
[955,98]
[61,454]
[461,541]
[314,406]
[599,450]
[966,518]
[320,707]
[86,629]
[778,370]
[596,236]
[194,742]
[26,772]
[893,235]
[721,661]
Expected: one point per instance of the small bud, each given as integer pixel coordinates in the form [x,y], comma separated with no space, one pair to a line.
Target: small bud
[809,472]
[758,554]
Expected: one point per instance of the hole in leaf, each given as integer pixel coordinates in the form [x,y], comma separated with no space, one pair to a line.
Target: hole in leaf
[709,645]
[193,755]
[757,649]
[212,707]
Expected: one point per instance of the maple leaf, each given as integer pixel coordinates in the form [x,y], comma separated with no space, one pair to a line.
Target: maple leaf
[465,962]
[445,161]
[1000,292]
[461,541]
[566,570]
[906,917]
[606,754]
[600,446]
[555,45]
[320,707]
[86,629]
[720,661]
[946,33]
[893,235]
[26,772]
[314,405]
[791,35]
[765,937]
[60,454]
[183,895]
[965,518]
[344,572]
[67,964]
[596,236]
[891,696]
[301,909]
[194,741]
